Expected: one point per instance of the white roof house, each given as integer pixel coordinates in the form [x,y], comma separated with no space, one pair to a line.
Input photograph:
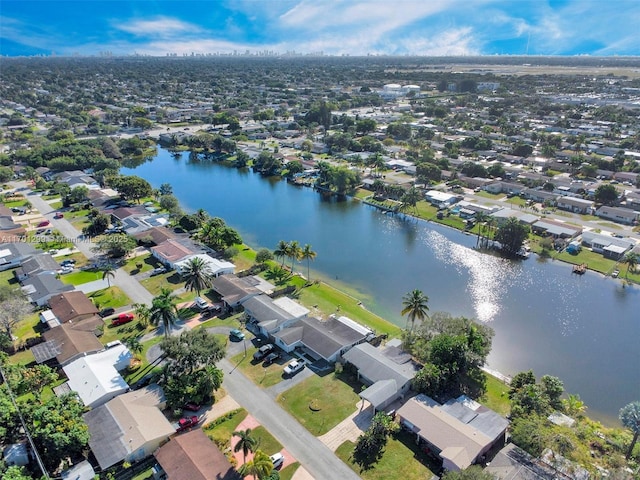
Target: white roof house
[217,267]
[95,378]
[437,197]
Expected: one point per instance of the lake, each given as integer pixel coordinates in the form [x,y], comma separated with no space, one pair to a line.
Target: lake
[582,328]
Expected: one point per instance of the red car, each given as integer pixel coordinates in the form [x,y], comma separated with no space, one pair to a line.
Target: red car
[191,406]
[44,223]
[186,423]
[122,319]
[58,215]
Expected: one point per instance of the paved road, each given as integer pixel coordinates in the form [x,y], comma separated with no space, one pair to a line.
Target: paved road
[316,458]
[136,292]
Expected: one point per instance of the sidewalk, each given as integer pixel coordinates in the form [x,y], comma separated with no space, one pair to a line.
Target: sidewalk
[350,428]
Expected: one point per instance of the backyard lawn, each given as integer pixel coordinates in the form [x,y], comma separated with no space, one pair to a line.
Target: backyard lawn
[80,277]
[401,459]
[331,398]
[147,261]
[155,284]
[496,397]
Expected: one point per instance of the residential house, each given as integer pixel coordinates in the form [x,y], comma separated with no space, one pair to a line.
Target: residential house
[13,254]
[9,230]
[216,267]
[540,196]
[505,187]
[120,213]
[575,205]
[607,245]
[555,228]
[270,316]
[513,463]
[322,339]
[154,235]
[632,200]
[38,263]
[387,373]
[171,252]
[234,290]
[95,377]
[65,344]
[618,214]
[460,432]
[629,177]
[438,198]
[504,214]
[40,288]
[70,306]
[129,427]
[476,182]
[193,456]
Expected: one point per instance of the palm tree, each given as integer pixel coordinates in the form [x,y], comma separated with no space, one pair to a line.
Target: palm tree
[197,274]
[108,272]
[281,251]
[134,344]
[246,442]
[295,252]
[573,405]
[164,311]
[143,312]
[260,467]
[308,255]
[415,306]
[630,418]
[631,259]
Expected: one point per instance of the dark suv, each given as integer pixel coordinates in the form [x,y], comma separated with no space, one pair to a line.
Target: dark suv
[263,351]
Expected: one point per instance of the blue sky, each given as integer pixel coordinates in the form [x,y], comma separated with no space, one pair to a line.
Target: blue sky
[354,27]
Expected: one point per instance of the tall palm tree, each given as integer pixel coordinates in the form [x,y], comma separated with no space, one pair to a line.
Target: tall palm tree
[260,467]
[415,307]
[108,272]
[295,251]
[246,443]
[281,251]
[197,274]
[631,259]
[308,255]
[164,311]
[630,418]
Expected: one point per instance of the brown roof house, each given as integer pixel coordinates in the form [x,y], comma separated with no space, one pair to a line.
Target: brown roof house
[193,456]
[171,251]
[234,290]
[64,344]
[129,427]
[72,306]
[460,432]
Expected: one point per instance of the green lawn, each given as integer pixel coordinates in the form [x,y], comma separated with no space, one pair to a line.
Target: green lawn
[328,299]
[7,278]
[28,327]
[147,261]
[221,430]
[287,472]
[80,259]
[109,297]
[595,261]
[266,442]
[332,398]
[245,257]
[80,277]
[517,200]
[132,375]
[401,459]
[156,283]
[485,194]
[261,376]
[56,205]
[496,397]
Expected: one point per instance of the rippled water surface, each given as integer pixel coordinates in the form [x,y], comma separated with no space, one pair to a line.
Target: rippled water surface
[584,329]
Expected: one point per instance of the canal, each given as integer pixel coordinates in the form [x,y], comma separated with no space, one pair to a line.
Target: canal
[583,329]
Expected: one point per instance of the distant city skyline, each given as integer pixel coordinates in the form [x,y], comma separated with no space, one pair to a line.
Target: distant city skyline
[328,27]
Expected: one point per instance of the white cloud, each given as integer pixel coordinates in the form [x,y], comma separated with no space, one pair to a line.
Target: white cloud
[162,27]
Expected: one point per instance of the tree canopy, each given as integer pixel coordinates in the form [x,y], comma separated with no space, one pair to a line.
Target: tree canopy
[511,235]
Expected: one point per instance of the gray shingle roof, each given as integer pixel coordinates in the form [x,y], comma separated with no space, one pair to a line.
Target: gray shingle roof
[375,366]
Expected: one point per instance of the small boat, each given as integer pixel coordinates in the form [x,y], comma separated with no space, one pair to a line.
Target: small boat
[615,273]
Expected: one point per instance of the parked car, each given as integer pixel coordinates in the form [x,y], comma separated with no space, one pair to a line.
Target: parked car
[158,271]
[272,357]
[263,351]
[44,223]
[186,423]
[236,335]
[293,367]
[122,319]
[68,261]
[277,459]
[201,303]
[105,312]
[191,406]
[58,215]
[65,269]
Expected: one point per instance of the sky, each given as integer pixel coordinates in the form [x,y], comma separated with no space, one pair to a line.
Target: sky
[333,27]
